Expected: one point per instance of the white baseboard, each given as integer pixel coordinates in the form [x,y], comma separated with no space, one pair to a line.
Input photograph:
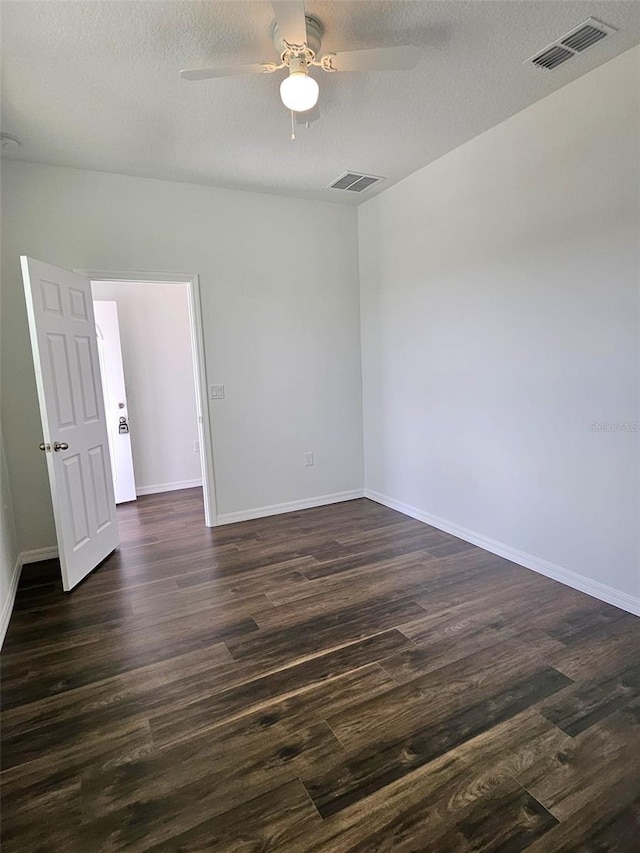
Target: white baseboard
[34,556]
[292,506]
[7,608]
[39,554]
[168,487]
[598,590]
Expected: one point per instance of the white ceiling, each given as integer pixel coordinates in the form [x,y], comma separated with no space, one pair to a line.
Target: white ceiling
[95,85]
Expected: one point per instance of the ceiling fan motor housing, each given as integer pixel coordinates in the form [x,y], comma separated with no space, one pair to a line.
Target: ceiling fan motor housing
[314,40]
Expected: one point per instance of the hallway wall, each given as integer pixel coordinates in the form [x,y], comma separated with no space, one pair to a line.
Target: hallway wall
[158,367]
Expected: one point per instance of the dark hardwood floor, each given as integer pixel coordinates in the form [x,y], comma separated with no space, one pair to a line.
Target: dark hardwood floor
[339,679]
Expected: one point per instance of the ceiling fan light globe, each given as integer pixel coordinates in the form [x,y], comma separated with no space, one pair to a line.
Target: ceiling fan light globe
[299,92]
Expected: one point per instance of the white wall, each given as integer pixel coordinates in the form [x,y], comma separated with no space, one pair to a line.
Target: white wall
[8,546]
[279,288]
[500,292]
[155,338]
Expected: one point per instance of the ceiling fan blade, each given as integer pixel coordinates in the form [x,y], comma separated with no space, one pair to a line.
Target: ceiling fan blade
[290,17]
[309,116]
[228,71]
[402,58]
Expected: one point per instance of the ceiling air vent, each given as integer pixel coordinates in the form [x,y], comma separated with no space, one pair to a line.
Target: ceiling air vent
[583,38]
[567,46]
[552,57]
[355,182]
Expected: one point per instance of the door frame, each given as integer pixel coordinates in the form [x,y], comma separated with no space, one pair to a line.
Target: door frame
[205,433]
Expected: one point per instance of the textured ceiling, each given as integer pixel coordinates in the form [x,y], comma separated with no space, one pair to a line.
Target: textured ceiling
[95,85]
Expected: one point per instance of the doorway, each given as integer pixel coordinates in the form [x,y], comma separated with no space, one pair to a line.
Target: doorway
[163,415]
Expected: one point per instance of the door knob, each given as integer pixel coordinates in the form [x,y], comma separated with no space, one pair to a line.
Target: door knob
[60,445]
[45,446]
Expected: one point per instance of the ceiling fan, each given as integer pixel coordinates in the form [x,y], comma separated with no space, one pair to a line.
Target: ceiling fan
[297,41]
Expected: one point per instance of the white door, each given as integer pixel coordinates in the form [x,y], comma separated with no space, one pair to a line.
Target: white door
[65,356]
[115,399]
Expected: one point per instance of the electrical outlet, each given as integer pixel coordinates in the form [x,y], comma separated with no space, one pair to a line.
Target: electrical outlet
[308,458]
[196,447]
[216,392]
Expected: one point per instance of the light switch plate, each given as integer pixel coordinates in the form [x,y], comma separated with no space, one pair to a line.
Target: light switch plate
[308,458]
[216,392]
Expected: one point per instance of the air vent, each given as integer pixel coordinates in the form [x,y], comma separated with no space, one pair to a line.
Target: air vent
[567,46]
[355,182]
[553,57]
[584,38]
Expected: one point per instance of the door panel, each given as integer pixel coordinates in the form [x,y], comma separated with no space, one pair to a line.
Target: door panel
[78,304]
[115,398]
[61,381]
[100,489]
[72,467]
[63,339]
[87,380]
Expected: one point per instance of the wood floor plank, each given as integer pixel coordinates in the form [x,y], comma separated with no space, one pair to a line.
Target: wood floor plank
[509,818]
[429,656]
[398,580]
[439,694]
[402,574]
[239,569]
[605,650]
[609,823]
[579,626]
[381,762]
[342,679]
[41,799]
[596,759]
[274,580]
[28,730]
[338,627]
[64,669]
[198,779]
[347,667]
[272,821]
[385,532]
[365,558]
[582,705]
[68,632]
[413,809]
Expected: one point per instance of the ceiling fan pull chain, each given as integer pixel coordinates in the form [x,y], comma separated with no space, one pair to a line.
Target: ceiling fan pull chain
[293,127]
